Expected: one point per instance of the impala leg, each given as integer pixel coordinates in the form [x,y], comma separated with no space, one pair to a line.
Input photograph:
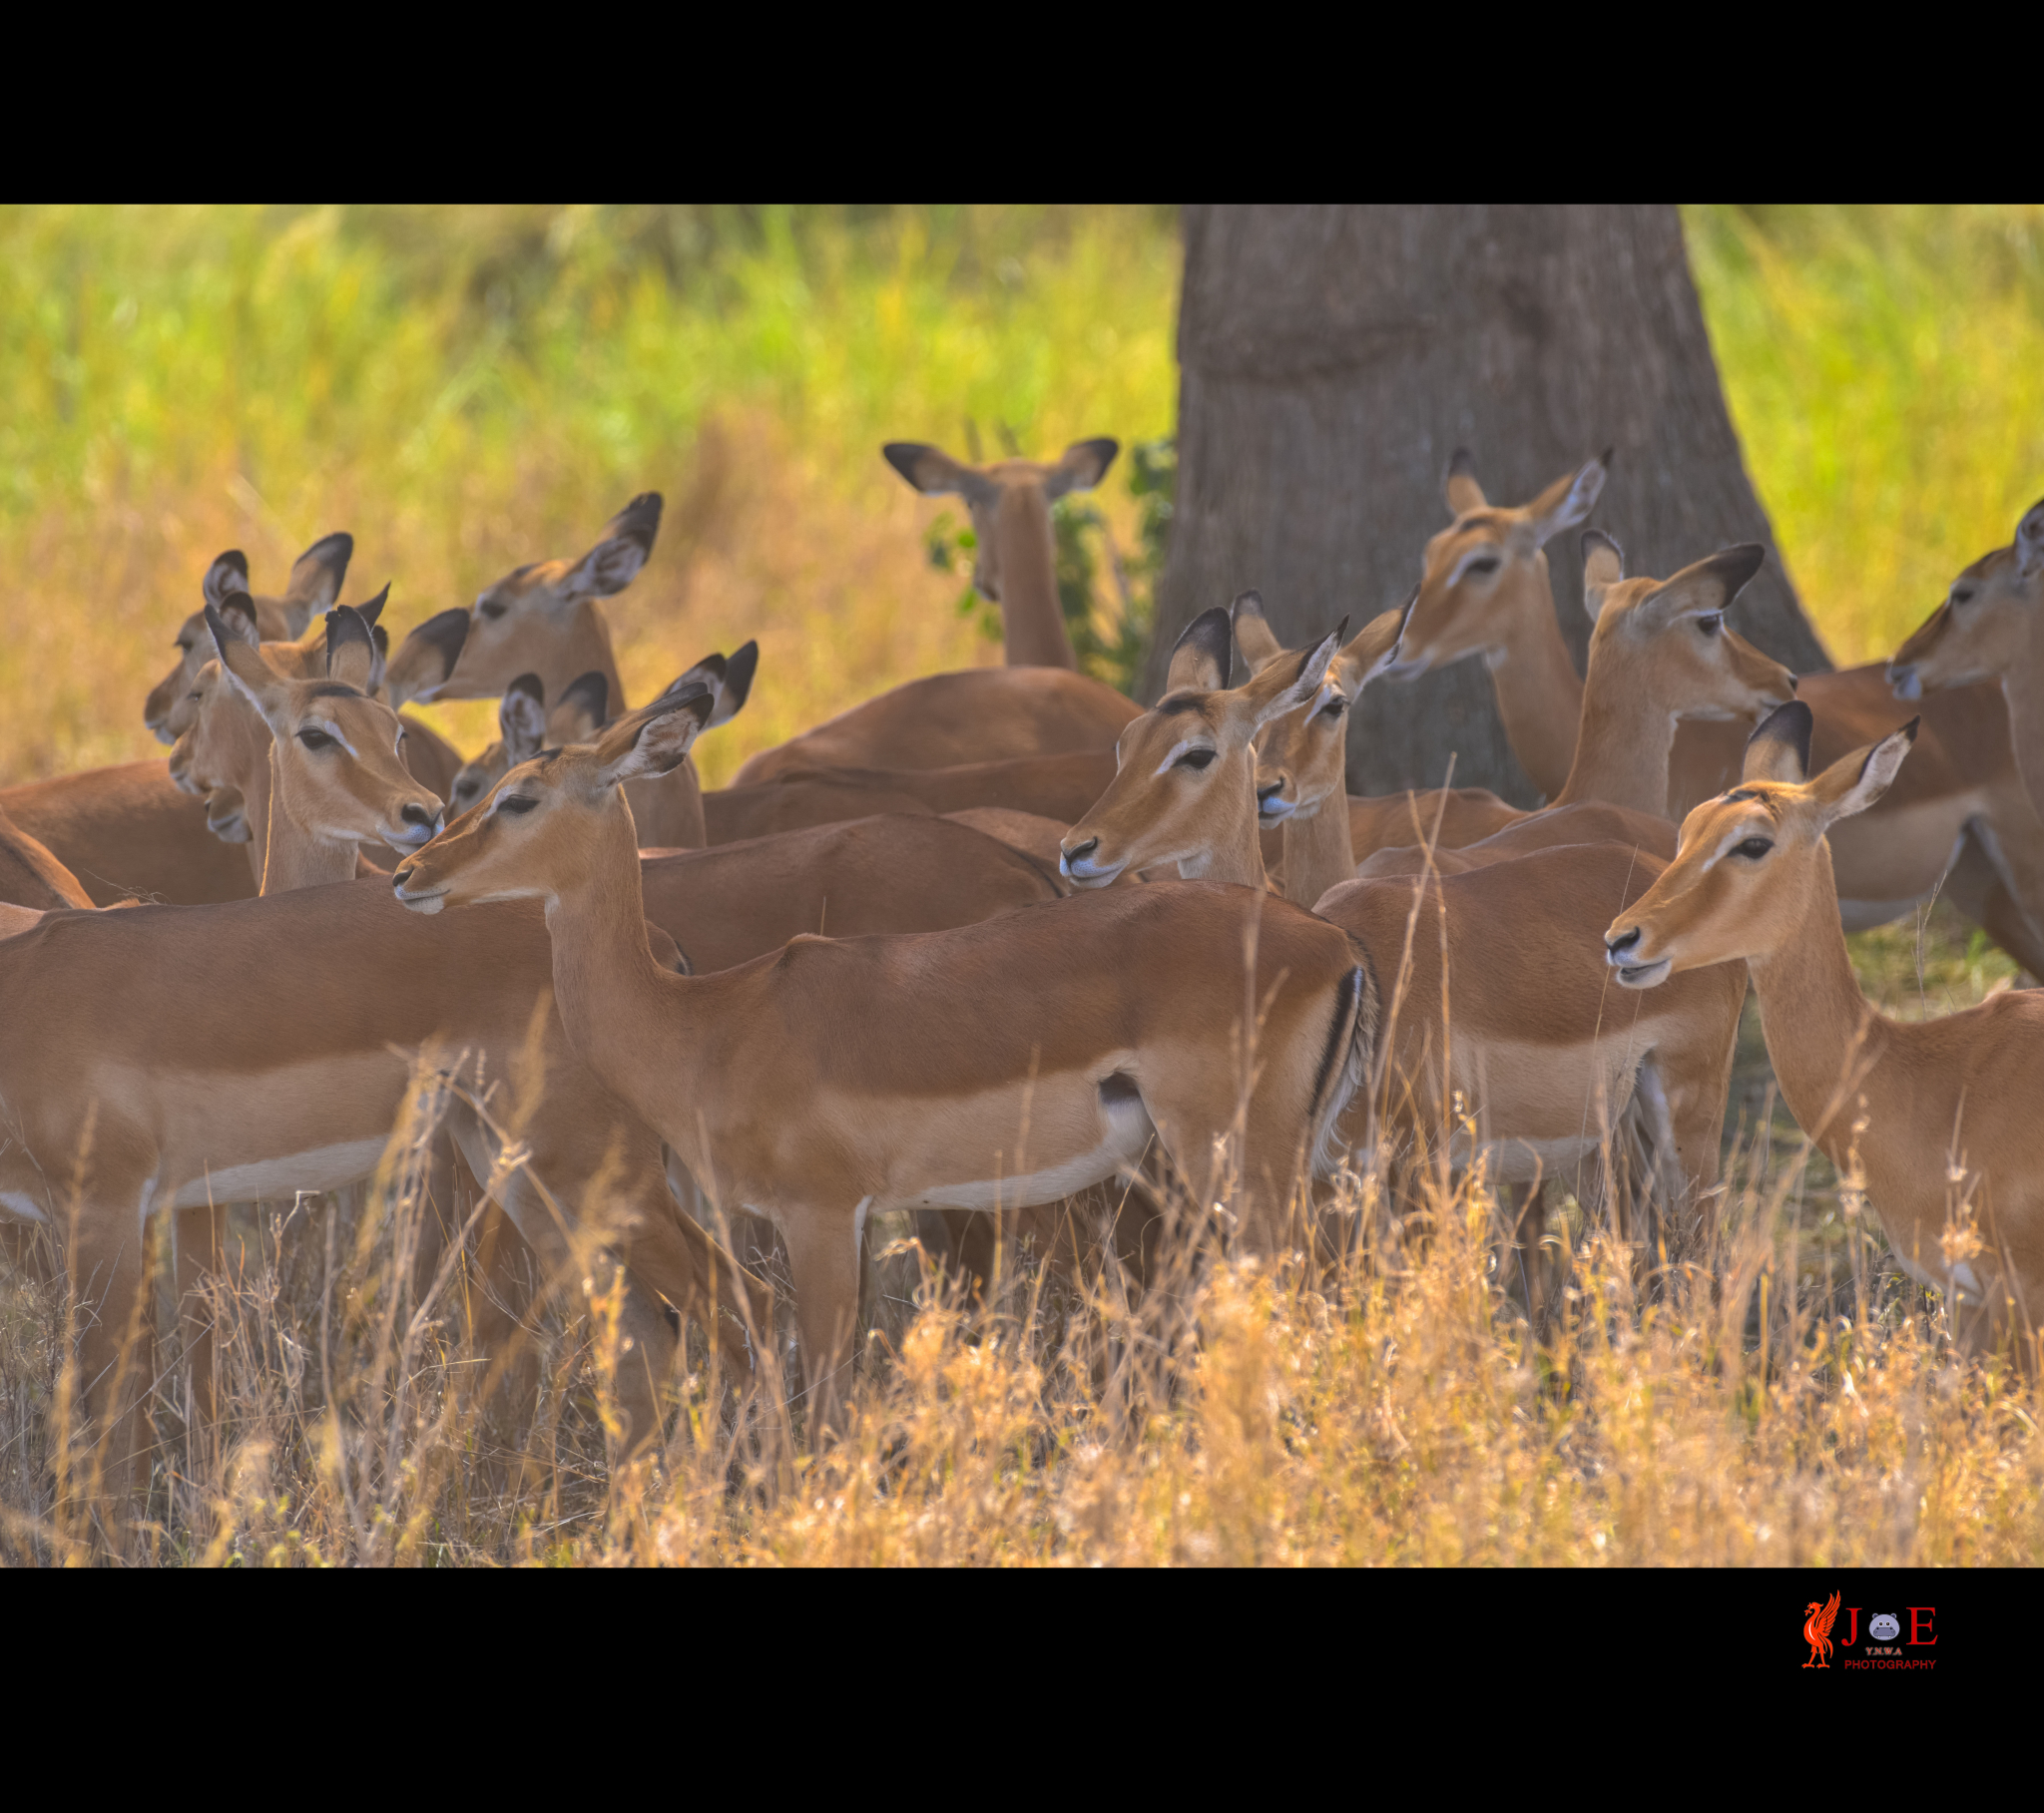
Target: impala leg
[116,1348]
[823,1260]
[2012,912]
[200,1248]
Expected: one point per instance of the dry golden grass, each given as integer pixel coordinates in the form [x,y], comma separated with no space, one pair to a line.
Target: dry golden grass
[1768,1389]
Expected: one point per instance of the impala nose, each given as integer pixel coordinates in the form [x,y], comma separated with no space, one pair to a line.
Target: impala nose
[402,879]
[1625,941]
[1078,852]
[421,824]
[1791,682]
[1903,682]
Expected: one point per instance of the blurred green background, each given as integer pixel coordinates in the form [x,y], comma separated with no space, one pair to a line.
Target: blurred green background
[469,388]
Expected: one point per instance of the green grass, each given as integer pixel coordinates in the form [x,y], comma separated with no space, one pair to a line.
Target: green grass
[1885,372]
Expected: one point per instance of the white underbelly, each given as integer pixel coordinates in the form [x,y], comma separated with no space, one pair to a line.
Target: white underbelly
[1128,1132]
[323,1167]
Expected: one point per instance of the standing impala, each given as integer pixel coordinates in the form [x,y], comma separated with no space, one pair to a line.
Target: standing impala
[1531,1040]
[1984,634]
[1037,703]
[1006,1064]
[1942,1114]
[1957,810]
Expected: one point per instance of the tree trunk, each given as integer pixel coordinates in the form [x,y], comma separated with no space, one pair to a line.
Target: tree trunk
[1331,360]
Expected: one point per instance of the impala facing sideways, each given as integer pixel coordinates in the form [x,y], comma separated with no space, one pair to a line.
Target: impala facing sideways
[1940,1117]
[836,1077]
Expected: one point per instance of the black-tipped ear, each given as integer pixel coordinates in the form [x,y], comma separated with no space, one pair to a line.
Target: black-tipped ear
[1736,565]
[374,608]
[1463,493]
[738,682]
[1779,748]
[444,634]
[522,718]
[233,620]
[350,648]
[1204,654]
[588,694]
[228,575]
[317,574]
[637,522]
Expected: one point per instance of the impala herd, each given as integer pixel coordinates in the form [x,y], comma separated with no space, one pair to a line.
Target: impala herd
[999,935]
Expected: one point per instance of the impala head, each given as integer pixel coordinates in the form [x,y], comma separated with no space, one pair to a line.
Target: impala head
[1983,626]
[313,584]
[1185,780]
[340,763]
[1487,572]
[519,624]
[553,820]
[1007,498]
[1751,861]
[1302,754]
[525,724]
[1665,640]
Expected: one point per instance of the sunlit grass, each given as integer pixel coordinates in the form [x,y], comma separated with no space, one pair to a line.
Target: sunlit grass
[469,389]
[1885,372]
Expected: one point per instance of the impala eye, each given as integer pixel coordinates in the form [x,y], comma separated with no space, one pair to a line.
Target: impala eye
[492,610]
[1711,624]
[1753,849]
[1962,598]
[1482,566]
[516,802]
[316,740]
[1334,707]
[1196,759]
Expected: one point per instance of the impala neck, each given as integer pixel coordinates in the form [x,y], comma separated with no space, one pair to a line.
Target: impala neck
[1032,621]
[1820,1030]
[1621,752]
[292,857]
[1539,692]
[1232,853]
[1319,852]
[617,1005]
[585,647]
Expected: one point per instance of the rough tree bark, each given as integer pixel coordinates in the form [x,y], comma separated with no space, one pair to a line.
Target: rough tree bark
[1331,360]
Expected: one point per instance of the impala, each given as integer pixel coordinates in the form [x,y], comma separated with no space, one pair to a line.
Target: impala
[545,618]
[1034,706]
[343,782]
[1546,1060]
[1983,635]
[1940,1117]
[1010,1062]
[1659,652]
[31,877]
[1957,811]
[312,589]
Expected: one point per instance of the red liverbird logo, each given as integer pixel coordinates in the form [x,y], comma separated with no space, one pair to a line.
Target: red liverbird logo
[1816,1630]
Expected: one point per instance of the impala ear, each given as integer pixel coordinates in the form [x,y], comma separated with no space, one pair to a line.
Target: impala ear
[350,648]
[1710,585]
[614,563]
[584,704]
[1603,568]
[1202,654]
[237,613]
[317,574]
[1853,783]
[935,473]
[2030,541]
[1464,493]
[246,668]
[1375,648]
[738,685]
[653,739]
[374,608]
[1779,748]
[426,657]
[1284,685]
[1253,634]
[228,575]
[522,718]
[381,638]
[1083,466]
[1568,501]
